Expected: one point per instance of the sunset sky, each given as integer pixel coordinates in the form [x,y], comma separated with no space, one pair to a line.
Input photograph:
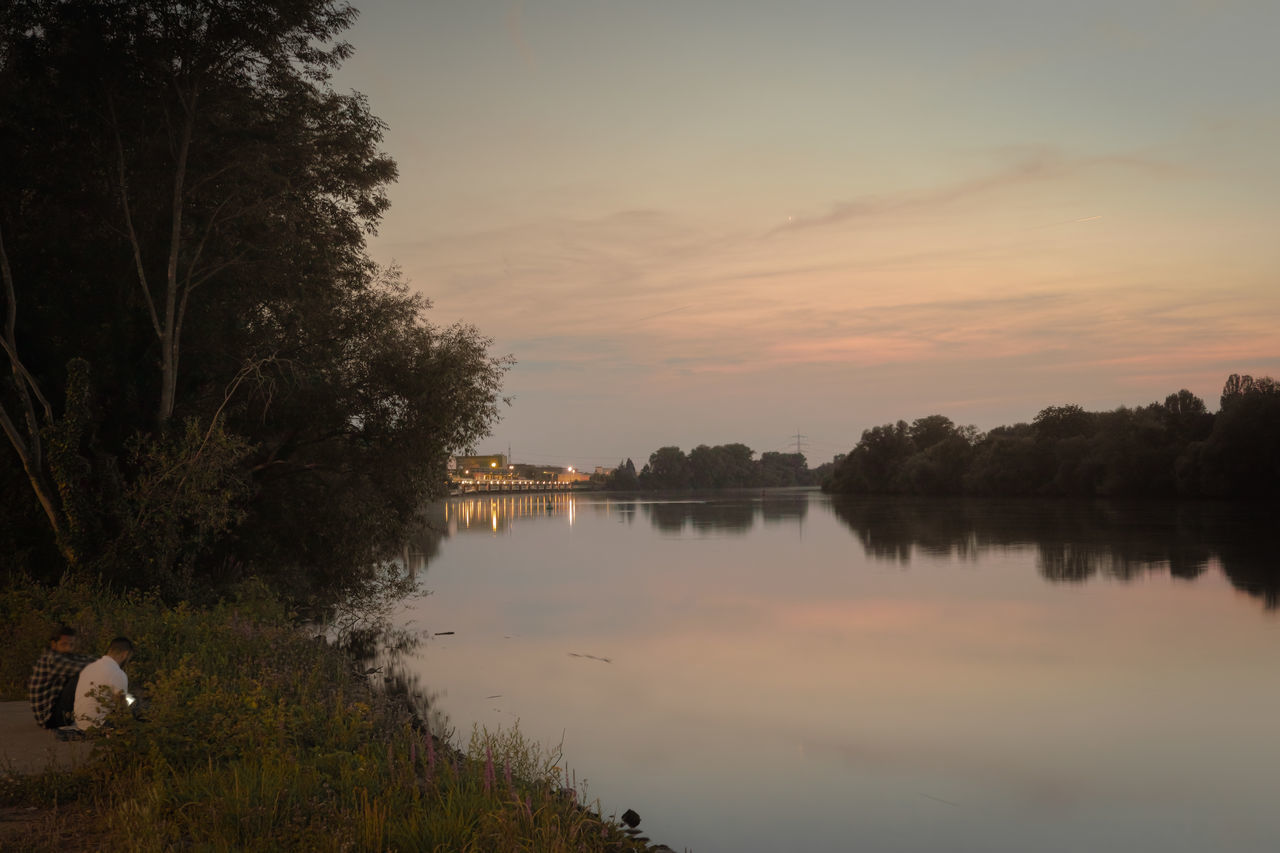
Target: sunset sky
[712,221]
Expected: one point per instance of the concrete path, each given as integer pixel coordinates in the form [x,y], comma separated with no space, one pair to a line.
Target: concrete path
[27,748]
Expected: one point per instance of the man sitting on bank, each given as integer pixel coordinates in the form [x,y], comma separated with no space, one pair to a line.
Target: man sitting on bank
[53,679]
[90,711]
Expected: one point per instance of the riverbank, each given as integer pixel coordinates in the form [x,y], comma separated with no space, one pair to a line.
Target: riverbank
[259,737]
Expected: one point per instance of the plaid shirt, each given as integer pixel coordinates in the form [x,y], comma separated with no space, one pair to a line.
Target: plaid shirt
[48,678]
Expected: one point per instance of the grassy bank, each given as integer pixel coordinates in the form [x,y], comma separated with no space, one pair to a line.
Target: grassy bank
[260,737]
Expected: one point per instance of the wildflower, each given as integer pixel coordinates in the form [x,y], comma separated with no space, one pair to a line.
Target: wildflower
[488,770]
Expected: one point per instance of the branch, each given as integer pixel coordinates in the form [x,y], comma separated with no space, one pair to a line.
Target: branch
[15,437]
[30,454]
[171,333]
[128,218]
[26,383]
[43,493]
[204,240]
[249,369]
[175,227]
[192,284]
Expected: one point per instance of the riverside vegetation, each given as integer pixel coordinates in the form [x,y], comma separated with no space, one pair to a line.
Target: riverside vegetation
[206,376]
[260,737]
[1177,448]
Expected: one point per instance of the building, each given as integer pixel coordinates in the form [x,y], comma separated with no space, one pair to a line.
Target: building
[496,467]
[481,467]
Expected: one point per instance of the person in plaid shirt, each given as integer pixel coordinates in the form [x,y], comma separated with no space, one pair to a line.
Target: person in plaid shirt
[57,668]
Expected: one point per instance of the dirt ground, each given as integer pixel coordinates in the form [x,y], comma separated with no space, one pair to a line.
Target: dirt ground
[25,829]
[26,748]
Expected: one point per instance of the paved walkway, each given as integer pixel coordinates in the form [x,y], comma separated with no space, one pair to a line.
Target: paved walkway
[27,748]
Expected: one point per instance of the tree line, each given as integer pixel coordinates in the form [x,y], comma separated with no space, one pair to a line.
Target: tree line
[724,466]
[207,376]
[1175,448]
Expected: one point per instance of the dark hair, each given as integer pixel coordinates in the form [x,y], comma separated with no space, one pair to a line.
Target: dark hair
[60,632]
[120,644]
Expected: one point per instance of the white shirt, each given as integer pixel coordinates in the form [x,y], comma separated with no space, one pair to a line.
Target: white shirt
[104,670]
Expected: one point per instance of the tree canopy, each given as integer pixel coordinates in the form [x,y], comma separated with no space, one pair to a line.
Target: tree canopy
[1174,448]
[723,466]
[208,376]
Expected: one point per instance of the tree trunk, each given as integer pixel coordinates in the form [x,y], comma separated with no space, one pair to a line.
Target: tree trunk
[28,448]
[171,332]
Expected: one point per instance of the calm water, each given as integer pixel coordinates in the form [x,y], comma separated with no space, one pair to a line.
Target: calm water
[793,672]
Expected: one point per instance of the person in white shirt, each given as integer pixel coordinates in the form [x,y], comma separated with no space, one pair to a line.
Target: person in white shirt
[89,712]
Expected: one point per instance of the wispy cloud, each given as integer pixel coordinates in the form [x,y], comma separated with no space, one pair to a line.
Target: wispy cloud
[1023,166]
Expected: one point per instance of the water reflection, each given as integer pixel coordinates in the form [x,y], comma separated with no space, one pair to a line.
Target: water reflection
[1074,541]
[727,512]
[1079,541]
[491,514]
[733,512]
[1002,693]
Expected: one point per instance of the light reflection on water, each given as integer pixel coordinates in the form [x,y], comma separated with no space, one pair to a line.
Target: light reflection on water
[782,671]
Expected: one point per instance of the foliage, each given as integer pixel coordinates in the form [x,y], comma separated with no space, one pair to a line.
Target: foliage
[259,737]
[723,466]
[667,468]
[201,354]
[189,488]
[1174,448]
[783,469]
[929,455]
[623,478]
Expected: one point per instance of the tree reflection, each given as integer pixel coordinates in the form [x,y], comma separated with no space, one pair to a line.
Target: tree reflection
[726,513]
[1077,541]
[776,508]
[668,517]
[1062,562]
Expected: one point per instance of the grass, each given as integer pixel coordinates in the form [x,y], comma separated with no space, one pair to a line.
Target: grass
[260,737]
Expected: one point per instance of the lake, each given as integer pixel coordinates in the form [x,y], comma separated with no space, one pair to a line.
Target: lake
[791,671]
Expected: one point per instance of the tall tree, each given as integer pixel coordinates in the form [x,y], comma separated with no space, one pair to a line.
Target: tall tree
[784,469]
[668,468]
[184,207]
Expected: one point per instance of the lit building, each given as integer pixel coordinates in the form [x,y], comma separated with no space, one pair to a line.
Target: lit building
[479,467]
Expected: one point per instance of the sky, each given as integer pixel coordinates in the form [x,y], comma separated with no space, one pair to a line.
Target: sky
[782,223]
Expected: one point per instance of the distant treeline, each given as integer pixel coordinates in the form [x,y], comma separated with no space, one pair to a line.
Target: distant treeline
[725,466]
[1172,449]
